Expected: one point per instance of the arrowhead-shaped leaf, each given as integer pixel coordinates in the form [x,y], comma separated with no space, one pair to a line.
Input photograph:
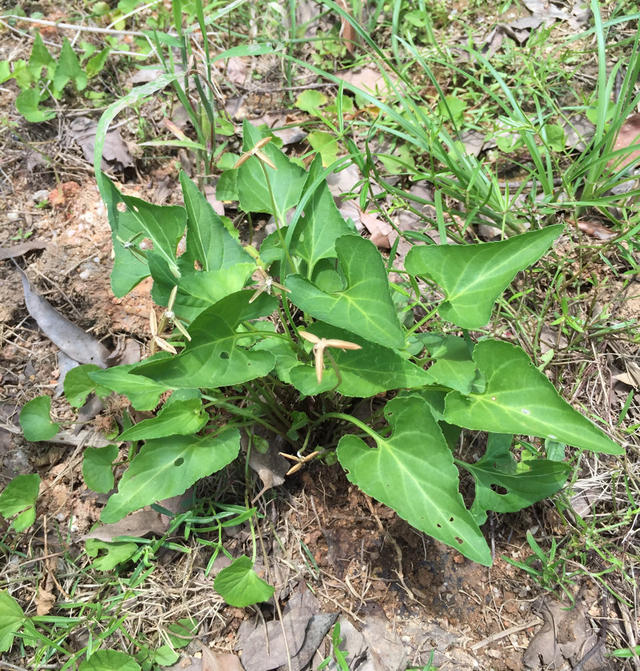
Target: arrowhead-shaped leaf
[519,399]
[240,586]
[364,372]
[143,393]
[167,467]
[164,224]
[523,483]
[35,419]
[11,619]
[208,241]
[180,417]
[215,356]
[286,181]
[412,471]
[454,366]
[197,290]
[321,225]
[18,501]
[78,385]
[129,266]
[97,467]
[473,276]
[364,306]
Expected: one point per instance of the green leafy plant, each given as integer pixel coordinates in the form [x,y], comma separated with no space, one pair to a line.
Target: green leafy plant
[43,76]
[310,314]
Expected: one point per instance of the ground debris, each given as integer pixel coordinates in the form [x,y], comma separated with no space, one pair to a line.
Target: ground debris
[565,636]
[71,339]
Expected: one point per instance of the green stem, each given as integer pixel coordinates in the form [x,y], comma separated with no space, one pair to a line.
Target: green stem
[349,418]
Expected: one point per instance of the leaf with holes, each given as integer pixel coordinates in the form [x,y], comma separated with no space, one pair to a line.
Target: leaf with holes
[364,372]
[504,486]
[473,276]
[215,357]
[284,187]
[167,467]
[364,306]
[240,586]
[519,399]
[412,471]
[317,230]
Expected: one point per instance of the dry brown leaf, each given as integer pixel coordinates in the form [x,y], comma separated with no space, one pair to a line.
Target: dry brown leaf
[347,31]
[631,377]
[565,636]
[45,601]
[595,229]
[258,655]
[68,337]
[628,137]
[270,467]
[137,524]
[382,233]
[22,248]
[370,79]
[115,153]
[217,661]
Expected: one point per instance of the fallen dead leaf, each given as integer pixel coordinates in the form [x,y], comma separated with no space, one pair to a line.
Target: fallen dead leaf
[137,524]
[565,636]
[382,233]
[631,377]
[628,137]
[270,467]
[45,601]
[22,248]
[369,79]
[595,229]
[68,337]
[264,648]
[217,661]
[347,31]
[115,154]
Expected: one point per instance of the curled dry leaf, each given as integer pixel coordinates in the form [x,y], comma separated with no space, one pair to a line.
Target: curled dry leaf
[382,233]
[595,229]
[115,154]
[44,601]
[347,31]
[68,337]
[137,524]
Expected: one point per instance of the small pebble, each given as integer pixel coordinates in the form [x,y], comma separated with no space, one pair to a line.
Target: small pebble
[13,216]
[39,196]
